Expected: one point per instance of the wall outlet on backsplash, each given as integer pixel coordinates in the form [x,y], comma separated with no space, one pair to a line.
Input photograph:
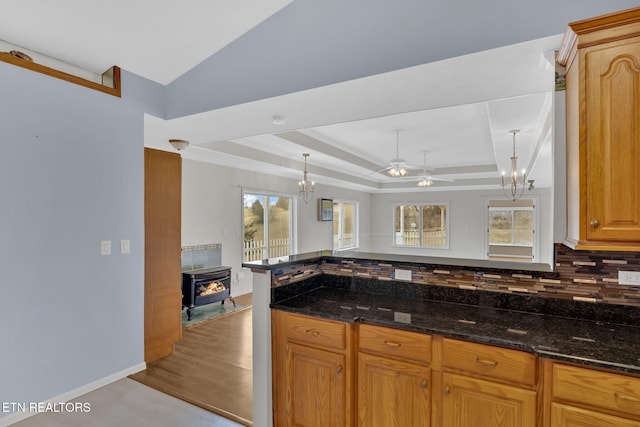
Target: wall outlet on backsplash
[629,278]
[402,274]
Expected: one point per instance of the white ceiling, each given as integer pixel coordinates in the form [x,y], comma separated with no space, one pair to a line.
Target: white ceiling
[157,39]
[459,110]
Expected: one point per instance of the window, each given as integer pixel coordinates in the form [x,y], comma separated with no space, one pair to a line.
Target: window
[422,225]
[267,232]
[511,230]
[345,225]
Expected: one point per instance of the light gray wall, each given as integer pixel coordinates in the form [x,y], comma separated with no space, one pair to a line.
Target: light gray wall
[468,222]
[312,43]
[212,211]
[71,175]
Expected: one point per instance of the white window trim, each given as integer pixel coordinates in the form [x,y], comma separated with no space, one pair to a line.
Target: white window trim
[447,228]
[356,225]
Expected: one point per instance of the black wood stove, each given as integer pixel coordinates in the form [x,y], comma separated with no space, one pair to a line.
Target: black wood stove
[205,286]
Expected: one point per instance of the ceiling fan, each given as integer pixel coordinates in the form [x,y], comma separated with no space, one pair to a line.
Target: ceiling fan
[426,180]
[397,167]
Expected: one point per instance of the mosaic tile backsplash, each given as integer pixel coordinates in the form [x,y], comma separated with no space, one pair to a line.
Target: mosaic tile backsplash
[589,276]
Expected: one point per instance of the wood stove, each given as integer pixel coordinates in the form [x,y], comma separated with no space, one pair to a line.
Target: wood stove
[205,286]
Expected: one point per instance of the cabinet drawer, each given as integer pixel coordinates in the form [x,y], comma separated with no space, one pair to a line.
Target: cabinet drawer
[495,362]
[395,343]
[316,332]
[591,388]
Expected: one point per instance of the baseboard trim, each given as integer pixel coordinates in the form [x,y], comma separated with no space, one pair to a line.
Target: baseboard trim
[75,393]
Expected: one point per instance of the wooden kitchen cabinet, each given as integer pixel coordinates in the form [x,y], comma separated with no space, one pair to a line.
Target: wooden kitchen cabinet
[568,416]
[487,386]
[394,378]
[584,397]
[602,56]
[312,371]
[471,402]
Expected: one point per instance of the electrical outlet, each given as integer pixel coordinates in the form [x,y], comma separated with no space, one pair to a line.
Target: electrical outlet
[402,274]
[125,246]
[401,317]
[629,278]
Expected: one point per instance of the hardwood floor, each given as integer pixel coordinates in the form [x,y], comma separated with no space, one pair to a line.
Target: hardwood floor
[129,403]
[211,367]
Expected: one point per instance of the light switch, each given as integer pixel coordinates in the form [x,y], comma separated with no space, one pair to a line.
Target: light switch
[105,247]
[125,246]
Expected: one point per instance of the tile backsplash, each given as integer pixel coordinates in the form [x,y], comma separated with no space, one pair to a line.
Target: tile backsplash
[590,276]
[201,256]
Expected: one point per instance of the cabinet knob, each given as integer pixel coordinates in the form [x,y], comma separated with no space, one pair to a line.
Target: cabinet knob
[424,384]
[447,390]
[595,223]
[338,369]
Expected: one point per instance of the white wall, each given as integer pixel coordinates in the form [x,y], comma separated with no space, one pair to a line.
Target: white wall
[468,222]
[212,212]
[71,175]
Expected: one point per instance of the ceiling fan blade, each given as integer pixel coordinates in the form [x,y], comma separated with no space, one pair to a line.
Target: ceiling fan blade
[380,170]
[437,178]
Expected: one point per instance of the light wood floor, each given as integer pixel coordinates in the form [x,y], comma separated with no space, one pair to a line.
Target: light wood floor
[131,404]
[211,367]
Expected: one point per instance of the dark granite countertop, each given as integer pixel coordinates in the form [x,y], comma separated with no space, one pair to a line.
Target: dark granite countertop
[598,344]
[274,263]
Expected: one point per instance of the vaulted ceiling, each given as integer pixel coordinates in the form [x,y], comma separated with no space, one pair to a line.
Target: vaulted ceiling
[357,83]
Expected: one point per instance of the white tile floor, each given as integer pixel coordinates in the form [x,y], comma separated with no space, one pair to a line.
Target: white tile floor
[127,403]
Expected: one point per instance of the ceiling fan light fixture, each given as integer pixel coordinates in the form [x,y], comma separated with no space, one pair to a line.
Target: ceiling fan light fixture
[425,182]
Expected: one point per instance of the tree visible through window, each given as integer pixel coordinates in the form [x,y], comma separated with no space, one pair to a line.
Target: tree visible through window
[267,226]
[345,230]
[421,225]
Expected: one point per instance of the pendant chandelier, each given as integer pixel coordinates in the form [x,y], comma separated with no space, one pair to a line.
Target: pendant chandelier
[514,185]
[305,187]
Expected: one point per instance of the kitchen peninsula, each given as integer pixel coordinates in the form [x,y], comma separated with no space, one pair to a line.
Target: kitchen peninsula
[522,313]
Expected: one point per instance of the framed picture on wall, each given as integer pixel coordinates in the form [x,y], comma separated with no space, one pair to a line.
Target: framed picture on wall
[325,210]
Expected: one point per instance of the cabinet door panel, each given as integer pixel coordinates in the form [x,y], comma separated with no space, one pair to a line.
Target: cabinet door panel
[567,416]
[392,393]
[613,141]
[316,387]
[469,402]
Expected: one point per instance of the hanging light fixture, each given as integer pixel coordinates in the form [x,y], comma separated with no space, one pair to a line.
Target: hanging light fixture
[514,186]
[397,168]
[305,187]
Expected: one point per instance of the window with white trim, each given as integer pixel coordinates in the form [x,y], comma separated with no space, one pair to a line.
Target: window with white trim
[511,230]
[267,221]
[421,225]
[345,225]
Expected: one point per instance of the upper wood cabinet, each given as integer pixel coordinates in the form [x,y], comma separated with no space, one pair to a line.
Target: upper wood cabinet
[602,56]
